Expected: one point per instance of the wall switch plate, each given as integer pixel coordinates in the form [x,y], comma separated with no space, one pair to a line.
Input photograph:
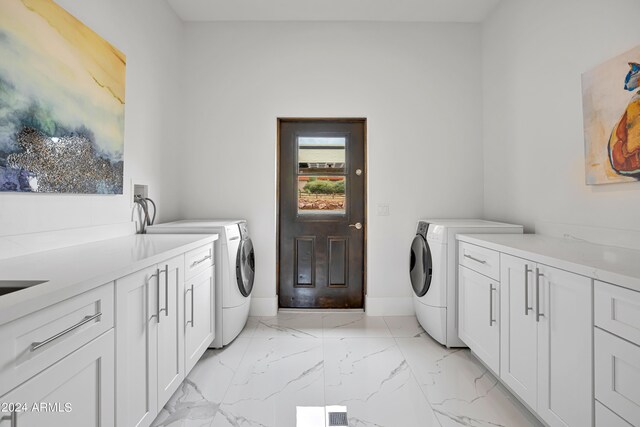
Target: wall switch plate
[383,209]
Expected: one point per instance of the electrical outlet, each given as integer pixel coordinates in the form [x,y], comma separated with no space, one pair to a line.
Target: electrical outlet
[140,190]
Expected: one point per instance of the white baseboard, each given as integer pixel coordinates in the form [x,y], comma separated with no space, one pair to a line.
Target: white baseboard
[264,307]
[389,306]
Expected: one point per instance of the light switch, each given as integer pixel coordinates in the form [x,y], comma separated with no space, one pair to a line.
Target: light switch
[383,210]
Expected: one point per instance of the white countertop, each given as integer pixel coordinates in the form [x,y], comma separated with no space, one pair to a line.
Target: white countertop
[611,264]
[76,269]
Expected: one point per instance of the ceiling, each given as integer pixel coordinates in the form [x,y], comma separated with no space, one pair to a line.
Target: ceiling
[334,10]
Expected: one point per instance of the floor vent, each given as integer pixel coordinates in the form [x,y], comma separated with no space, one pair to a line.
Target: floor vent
[338,419]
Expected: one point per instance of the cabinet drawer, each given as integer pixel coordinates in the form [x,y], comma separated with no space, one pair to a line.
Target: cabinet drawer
[198,260]
[617,364]
[606,418]
[36,341]
[617,310]
[484,261]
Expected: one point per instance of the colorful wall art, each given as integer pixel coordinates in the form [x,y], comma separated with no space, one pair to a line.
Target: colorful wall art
[611,105]
[62,93]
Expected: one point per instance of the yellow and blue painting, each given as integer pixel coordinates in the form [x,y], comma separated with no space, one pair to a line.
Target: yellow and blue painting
[611,104]
[62,99]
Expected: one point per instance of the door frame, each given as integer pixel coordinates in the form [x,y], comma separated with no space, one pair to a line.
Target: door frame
[363,121]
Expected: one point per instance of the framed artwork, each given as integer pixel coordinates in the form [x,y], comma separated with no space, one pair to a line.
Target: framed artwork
[62,99]
[611,108]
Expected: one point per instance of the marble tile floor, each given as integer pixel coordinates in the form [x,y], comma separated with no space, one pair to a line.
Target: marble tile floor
[386,370]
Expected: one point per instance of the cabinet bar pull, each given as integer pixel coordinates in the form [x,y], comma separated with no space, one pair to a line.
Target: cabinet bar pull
[85,320]
[158,288]
[491,319]
[481,261]
[14,419]
[166,290]
[200,261]
[538,313]
[527,270]
[191,321]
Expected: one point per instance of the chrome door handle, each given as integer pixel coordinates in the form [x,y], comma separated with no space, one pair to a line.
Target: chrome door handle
[357,226]
[85,320]
[481,261]
[538,313]
[158,310]
[191,321]
[491,319]
[526,289]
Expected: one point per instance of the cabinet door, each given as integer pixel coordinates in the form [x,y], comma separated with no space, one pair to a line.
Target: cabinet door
[136,348]
[518,335]
[170,329]
[77,391]
[479,316]
[199,316]
[565,362]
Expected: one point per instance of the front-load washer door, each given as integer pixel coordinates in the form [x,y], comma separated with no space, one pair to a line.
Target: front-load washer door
[420,267]
[245,267]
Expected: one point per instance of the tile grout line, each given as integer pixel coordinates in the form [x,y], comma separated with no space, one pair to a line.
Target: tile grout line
[413,375]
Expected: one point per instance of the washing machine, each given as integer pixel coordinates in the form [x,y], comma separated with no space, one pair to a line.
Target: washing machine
[235,270]
[433,271]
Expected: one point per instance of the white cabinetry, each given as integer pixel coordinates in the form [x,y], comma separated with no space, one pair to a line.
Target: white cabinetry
[164,324]
[537,333]
[199,321]
[78,391]
[546,340]
[136,348]
[617,350]
[519,341]
[565,362]
[150,340]
[479,320]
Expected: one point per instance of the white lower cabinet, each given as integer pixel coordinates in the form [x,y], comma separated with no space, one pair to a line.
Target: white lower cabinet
[565,362]
[76,391]
[479,320]
[150,341]
[171,368]
[136,349]
[545,336]
[199,322]
[519,332]
[164,324]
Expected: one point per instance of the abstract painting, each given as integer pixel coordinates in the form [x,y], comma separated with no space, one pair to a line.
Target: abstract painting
[62,92]
[611,107]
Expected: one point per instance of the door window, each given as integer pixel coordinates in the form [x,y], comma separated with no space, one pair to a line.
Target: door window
[322,180]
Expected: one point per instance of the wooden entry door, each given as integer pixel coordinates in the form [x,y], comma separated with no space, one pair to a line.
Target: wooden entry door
[321,213]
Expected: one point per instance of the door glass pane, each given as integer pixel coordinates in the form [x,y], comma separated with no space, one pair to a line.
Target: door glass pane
[321,195]
[321,154]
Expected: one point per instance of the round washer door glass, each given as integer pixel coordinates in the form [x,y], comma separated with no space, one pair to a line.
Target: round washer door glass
[420,266]
[245,267]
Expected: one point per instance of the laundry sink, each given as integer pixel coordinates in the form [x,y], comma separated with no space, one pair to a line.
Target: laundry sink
[8,286]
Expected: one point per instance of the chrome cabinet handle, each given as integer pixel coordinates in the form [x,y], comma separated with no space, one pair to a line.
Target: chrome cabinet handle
[166,291]
[357,226]
[491,319]
[200,261]
[12,417]
[85,320]
[538,313]
[191,321]
[527,270]
[158,310]
[481,261]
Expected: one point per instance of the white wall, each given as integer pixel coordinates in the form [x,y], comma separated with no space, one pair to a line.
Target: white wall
[418,85]
[150,34]
[534,53]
